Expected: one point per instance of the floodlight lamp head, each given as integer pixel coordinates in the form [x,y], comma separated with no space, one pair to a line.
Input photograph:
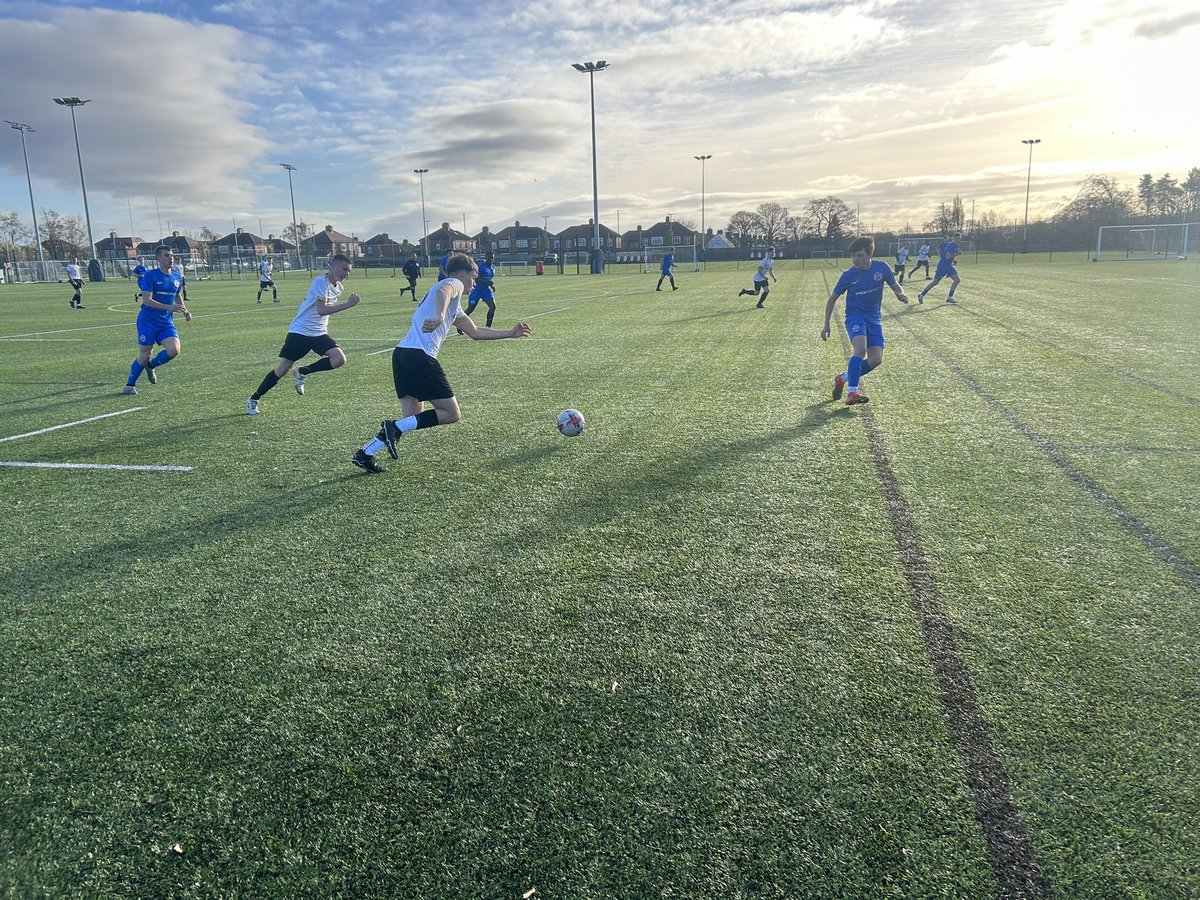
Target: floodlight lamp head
[70,101]
[602,64]
[577,67]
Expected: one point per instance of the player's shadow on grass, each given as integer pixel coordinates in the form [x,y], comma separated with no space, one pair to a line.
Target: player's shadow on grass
[529,456]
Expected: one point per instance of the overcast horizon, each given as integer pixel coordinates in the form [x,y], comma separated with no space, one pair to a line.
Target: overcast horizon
[893,107]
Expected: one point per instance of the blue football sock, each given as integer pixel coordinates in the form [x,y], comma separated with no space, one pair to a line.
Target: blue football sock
[866,367]
[853,373]
[162,358]
[135,372]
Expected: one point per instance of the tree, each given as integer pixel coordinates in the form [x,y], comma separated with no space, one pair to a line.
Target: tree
[829,218]
[14,232]
[773,218]
[299,233]
[1168,195]
[65,236]
[1191,190]
[745,225]
[1145,193]
[207,234]
[1100,200]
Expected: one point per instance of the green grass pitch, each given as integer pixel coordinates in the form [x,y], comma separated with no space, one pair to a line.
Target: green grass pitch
[676,656]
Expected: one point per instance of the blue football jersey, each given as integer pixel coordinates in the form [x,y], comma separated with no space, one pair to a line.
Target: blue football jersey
[864,290]
[161,286]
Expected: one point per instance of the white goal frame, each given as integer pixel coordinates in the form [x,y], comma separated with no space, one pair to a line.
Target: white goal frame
[1136,243]
[652,259]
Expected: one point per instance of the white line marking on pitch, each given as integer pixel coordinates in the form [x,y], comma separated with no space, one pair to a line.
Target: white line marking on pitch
[69,424]
[45,465]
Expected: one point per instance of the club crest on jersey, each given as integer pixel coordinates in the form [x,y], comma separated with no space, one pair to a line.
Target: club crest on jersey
[878,276]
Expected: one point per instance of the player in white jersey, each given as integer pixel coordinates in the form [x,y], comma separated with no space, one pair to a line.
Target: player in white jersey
[76,278]
[922,260]
[901,262]
[177,269]
[264,279]
[765,267]
[309,331]
[418,375]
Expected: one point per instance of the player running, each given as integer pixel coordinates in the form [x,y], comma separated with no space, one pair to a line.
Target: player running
[309,332]
[417,374]
[863,285]
[765,267]
[76,278]
[264,280]
[156,319]
[922,260]
[947,253]
[485,285]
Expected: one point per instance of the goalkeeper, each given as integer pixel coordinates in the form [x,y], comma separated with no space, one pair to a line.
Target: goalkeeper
[485,288]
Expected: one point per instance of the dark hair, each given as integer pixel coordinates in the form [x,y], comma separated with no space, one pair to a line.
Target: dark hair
[340,257]
[460,262]
[160,248]
[866,242]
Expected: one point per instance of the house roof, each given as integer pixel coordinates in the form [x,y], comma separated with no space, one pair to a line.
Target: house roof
[327,234]
[584,231]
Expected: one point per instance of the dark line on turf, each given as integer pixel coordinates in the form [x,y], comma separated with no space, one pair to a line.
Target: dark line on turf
[1004,833]
[1186,570]
[1108,367]
[1103,448]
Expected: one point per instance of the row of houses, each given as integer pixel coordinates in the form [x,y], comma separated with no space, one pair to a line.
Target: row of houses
[516,241]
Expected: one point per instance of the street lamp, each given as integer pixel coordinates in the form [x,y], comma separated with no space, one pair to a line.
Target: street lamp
[592,69]
[420,173]
[94,271]
[37,237]
[1028,176]
[703,233]
[295,228]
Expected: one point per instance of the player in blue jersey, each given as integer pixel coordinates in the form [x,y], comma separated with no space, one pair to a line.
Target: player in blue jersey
[947,253]
[138,271]
[416,372]
[668,263]
[442,266]
[485,286]
[863,285]
[155,321]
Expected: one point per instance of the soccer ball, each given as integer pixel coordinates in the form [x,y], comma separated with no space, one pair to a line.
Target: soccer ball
[570,422]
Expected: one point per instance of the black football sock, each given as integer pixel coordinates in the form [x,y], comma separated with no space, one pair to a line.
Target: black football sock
[324,364]
[267,383]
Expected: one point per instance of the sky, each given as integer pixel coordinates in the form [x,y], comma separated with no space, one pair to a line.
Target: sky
[895,107]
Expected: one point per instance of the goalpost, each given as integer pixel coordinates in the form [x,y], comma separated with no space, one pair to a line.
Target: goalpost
[1142,242]
[686,259]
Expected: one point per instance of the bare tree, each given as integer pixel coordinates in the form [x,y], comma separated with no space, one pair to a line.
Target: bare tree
[829,218]
[299,233]
[15,232]
[745,224]
[207,234]
[64,235]
[774,221]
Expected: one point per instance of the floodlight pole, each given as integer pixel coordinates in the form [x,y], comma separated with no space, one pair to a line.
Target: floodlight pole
[703,233]
[424,218]
[37,237]
[1028,177]
[73,102]
[295,228]
[592,69]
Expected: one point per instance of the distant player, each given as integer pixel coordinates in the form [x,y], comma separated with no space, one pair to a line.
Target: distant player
[177,269]
[442,266]
[765,267]
[415,368]
[863,285]
[309,332]
[264,279]
[156,319]
[668,263]
[484,289]
[922,260]
[947,253]
[76,278]
[138,271]
[412,271]
[901,262]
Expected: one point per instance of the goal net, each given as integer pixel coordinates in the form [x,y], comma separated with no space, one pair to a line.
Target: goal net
[1141,242]
[686,259]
